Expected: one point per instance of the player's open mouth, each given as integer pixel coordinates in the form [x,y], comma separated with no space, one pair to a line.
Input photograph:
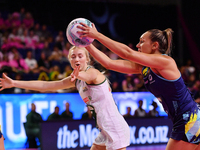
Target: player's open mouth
[77,65]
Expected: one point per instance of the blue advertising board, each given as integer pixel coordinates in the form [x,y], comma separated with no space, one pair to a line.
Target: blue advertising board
[15,107]
[80,134]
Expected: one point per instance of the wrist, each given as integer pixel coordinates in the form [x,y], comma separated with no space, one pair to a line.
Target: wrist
[13,83]
[98,35]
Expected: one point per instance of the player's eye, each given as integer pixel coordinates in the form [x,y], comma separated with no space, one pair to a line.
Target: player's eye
[73,56]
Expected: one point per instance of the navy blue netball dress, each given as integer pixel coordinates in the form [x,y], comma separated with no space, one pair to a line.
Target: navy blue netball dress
[178,103]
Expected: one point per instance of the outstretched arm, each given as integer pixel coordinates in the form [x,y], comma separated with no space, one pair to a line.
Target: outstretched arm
[42,86]
[123,66]
[150,60]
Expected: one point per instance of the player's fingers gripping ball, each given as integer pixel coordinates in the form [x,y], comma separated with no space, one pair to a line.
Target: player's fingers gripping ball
[74,37]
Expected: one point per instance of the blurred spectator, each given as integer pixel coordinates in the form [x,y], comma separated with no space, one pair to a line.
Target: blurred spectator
[198,100]
[43,76]
[46,49]
[12,52]
[191,80]
[16,22]
[54,73]
[26,40]
[87,114]
[140,112]
[28,20]
[34,40]
[195,90]
[14,40]
[33,123]
[128,84]
[19,64]
[139,83]
[128,113]
[31,62]
[115,86]
[67,114]
[154,112]
[189,68]
[45,32]
[4,61]
[8,22]
[66,73]
[60,40]
[66,49]
[56,55]
[51,42]
[37,30]
[5,44]
[43,63]
[55,115]
[21,29]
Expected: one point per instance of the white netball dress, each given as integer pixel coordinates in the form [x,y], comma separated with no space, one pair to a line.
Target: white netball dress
[114,131]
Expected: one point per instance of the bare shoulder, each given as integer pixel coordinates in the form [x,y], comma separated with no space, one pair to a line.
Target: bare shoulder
[170,70]
[92,70]
[97,76]
[169,60]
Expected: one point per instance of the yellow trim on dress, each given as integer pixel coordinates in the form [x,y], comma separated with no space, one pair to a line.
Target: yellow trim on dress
[190,123]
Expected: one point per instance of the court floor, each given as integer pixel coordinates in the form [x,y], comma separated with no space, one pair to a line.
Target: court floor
[150,147]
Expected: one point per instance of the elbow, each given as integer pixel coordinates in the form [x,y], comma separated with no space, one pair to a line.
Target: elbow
[127,52]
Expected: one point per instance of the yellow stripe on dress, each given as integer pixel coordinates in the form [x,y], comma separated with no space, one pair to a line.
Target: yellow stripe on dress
[144,72]
[190,123]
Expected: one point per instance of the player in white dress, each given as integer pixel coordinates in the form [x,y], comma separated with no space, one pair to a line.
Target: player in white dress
[114,129]
[95,91]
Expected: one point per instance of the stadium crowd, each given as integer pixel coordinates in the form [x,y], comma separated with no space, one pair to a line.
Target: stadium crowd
[30,50]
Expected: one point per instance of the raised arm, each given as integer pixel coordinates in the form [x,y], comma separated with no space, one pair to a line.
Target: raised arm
[42,86]
[123,66]
[123,50]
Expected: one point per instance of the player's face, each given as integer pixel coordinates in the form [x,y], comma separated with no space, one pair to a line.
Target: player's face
[78,58]
[145,44]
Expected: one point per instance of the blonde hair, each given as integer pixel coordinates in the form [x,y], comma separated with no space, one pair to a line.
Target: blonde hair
[164,38]
[86,52]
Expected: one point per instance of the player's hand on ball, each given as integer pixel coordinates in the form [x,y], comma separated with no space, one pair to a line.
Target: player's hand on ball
[87,31]
[5,82]
[75,73]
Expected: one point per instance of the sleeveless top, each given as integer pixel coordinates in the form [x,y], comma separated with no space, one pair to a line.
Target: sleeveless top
[177,102]
[173,94]
[99,96]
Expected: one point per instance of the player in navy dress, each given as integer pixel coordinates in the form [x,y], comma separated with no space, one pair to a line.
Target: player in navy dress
[161,77]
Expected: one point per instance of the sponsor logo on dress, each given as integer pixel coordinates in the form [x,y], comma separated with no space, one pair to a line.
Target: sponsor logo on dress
[86,99]
[150,79]
[85,89]
[145,71]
